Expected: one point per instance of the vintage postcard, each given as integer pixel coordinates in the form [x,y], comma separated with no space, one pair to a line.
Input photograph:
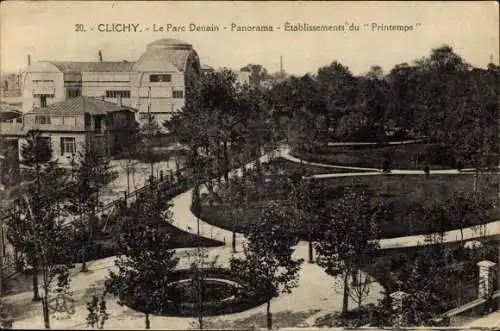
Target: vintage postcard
[250,165]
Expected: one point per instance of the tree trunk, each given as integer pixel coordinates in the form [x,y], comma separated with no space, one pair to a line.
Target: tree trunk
[148,323]
[45,308]
[36,295]
[84,263]
[345,300]
[476,180]
[226,163]
[311,252]
[360,315]
[269,316]
[128,180]
[234,240]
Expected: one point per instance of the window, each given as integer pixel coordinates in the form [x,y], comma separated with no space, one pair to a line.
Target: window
[43,101]
[73,93]
[144,116]
[97,124]
[160,78]
[68,145]
[118,94]
[178,94]
[42,119]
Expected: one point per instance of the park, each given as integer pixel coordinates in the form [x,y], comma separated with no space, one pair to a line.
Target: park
[327,200]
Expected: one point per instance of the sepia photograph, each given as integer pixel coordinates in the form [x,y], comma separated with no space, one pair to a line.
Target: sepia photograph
[249,165]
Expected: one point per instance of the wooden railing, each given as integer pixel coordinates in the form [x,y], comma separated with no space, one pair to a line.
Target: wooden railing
[179,184]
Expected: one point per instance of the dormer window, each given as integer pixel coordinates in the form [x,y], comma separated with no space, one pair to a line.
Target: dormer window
[160,78]
[42,119]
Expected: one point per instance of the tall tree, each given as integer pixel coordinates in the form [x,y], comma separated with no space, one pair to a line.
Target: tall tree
[268,267]
[148,258]
[403,96]
[40,171]
[374,99]
[338,89]
[90,173]
[465,208]
[441,75]
[473,138]
[309,204]
[349,238]
[40,232]
[257,73]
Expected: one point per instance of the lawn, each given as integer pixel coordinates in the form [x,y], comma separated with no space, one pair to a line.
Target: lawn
[407,156]
[405,194]
[105,245]
[285,165]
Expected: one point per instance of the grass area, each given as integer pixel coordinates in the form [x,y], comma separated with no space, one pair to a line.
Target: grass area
[307,169]
[407,156]
[405,194]
[105,246]
[284,319]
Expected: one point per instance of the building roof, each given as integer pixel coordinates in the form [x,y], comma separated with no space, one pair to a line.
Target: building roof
[206,67]
[83,105]
[70,66]
[169,43]
[7,114]
[175,57]
[159,60]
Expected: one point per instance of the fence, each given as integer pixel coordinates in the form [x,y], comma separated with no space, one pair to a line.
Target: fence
[10,258]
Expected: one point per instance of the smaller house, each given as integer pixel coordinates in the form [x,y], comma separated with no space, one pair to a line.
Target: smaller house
[73,123]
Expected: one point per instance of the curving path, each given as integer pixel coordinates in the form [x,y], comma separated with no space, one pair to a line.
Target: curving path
[184,218]
[316,291]
[372,171]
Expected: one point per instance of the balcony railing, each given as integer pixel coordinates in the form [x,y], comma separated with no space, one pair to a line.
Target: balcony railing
[53,127]
[11,129]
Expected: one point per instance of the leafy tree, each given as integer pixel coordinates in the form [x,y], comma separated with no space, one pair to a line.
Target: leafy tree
[403,80]
[428,297]
[473,139]
[349,238]
[41,233]
[198,258]
[309,204]
[43,175]
[338,90]
[144,269]
[268,267]
[90,172]
[257,73]
[146,136]
[235,195]
[441,77]
[374,99]
[97,312]
[464,209]
[359,290]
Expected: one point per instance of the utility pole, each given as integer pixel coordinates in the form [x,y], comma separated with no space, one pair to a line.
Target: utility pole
[150,132]
[281,66]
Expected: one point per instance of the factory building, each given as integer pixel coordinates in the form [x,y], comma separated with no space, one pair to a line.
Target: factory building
[156,84]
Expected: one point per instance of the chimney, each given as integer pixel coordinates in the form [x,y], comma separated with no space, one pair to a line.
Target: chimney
[29,59]
[99,54]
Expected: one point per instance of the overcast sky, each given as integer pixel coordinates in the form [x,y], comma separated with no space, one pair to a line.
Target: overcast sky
[46,31]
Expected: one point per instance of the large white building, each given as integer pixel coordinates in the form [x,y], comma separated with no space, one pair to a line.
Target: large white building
[157,82]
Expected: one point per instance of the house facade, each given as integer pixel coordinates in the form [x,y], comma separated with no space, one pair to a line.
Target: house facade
[155,85]
[70,125]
